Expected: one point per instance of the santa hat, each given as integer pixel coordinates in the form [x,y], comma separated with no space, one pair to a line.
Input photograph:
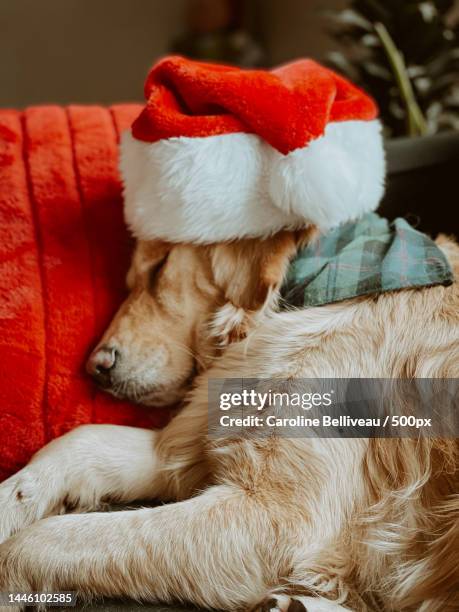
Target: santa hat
[220,153]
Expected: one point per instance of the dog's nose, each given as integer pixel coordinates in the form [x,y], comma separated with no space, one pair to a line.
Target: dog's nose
[101,363]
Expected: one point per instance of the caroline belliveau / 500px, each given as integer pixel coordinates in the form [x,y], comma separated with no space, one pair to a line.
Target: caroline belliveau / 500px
[229,309]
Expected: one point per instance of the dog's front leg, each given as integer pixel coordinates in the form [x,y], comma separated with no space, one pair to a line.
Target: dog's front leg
[209,550]
[78,471]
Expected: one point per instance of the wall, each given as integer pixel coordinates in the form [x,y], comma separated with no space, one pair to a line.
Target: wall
[90,51]
[293,28]
[81,50]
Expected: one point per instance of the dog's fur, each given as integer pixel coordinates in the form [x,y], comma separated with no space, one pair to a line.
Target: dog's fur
[272,523]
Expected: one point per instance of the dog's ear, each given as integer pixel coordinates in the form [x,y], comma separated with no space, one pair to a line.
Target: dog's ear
[249,274]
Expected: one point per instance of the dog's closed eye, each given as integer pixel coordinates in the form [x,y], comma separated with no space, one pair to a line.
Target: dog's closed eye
[153,273]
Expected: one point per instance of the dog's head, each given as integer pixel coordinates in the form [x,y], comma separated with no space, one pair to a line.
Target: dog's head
[186,303]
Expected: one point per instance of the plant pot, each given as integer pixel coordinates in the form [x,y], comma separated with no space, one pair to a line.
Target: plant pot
[423,182]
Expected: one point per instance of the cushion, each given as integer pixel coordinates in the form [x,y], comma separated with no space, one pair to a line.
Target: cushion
[64,252]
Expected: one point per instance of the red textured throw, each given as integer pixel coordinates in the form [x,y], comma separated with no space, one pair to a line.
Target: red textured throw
[64,252]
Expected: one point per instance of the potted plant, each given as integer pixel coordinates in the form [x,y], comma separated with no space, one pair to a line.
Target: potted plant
[406,54]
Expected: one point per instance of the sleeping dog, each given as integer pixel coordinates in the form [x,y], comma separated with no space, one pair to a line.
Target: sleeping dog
[265,523]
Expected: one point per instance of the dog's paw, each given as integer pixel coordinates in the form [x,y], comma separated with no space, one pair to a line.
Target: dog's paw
[23,500]
[279,603]
[13,505]
[39,490]
[20,503]
[285,603]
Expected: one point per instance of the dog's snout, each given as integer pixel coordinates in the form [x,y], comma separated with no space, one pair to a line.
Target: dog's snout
[101,364]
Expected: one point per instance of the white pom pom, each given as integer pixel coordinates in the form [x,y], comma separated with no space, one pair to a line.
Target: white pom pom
[337,178]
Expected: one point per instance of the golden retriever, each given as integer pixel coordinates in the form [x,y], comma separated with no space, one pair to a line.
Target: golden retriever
[268,523]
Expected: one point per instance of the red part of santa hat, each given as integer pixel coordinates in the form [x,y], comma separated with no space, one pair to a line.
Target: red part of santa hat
[220,153]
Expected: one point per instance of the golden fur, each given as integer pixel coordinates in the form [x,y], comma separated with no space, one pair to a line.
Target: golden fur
[276,523]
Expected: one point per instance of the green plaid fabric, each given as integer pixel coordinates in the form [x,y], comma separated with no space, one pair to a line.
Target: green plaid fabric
[364,257]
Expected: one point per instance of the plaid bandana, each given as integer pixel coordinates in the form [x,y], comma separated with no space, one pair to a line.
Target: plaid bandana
[361,258]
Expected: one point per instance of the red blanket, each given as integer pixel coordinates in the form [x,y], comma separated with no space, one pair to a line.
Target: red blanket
[64,253]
